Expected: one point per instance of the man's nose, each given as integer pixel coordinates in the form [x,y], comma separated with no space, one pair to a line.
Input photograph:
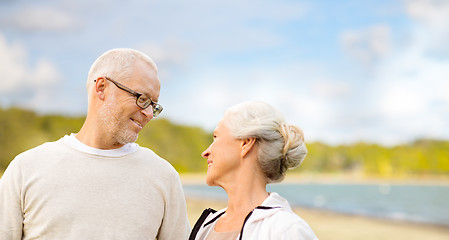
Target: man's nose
[148,112]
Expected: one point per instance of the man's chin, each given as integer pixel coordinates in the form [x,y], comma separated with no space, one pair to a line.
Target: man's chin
[128,138]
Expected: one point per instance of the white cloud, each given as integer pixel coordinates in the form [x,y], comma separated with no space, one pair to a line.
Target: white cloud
[266,10]
[280,11]
[331,89]
[17,76]
[15,73]
[432,18]
[201,101]
[435,13]
[412,84]
[40,18]
[44,74]
[367,45]
[294,89]
[167,54]
[406,97]
[12,65]
[170,56]
[412,88]
[225,26]
[309,112]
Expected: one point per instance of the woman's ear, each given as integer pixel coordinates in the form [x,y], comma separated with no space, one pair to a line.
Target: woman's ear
[247,146]
[100,85]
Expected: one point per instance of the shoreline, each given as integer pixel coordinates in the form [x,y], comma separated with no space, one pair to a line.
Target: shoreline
[333,225]
[326,178]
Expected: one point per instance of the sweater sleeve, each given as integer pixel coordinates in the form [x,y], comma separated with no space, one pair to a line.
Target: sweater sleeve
[11,216]
[175,224]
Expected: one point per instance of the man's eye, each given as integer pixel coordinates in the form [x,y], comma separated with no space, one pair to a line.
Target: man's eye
[143,99]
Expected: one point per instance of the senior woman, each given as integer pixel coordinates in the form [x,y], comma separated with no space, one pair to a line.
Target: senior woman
[252,146]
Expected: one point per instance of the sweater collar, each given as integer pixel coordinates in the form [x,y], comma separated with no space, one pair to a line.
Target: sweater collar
[74,143]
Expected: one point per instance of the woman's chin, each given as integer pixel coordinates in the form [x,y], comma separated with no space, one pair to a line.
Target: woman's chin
[209,181]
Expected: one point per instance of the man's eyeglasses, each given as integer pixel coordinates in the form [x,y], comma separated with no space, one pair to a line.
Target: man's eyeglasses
[141,99]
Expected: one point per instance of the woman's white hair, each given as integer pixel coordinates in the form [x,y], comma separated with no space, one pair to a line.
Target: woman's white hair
[281,146]
[117,64]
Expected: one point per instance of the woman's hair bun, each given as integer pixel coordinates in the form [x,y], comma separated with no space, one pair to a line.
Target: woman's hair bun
[294,150]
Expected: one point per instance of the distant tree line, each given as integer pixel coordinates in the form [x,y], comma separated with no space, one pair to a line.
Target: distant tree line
[182,147]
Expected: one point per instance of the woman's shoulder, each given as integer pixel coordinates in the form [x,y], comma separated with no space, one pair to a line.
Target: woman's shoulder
[287,216]
[285,223]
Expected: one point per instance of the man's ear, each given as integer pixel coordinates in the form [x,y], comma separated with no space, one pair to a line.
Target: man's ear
[100,86]
[247,145]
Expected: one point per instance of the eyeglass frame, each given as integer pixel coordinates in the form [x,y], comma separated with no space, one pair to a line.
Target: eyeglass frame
[157,108]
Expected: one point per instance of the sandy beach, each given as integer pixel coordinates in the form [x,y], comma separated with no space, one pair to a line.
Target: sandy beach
[332,225]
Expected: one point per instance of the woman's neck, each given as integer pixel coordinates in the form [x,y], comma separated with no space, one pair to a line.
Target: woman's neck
[245,197]
[245,193]
[246,189]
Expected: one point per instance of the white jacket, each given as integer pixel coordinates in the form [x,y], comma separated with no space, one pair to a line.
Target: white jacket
[274,219]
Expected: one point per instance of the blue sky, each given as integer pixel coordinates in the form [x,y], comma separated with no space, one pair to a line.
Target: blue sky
[344,71]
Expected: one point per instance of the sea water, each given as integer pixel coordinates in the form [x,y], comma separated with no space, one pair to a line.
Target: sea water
[417,203]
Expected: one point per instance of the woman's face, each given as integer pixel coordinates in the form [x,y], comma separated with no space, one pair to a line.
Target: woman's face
[223,156]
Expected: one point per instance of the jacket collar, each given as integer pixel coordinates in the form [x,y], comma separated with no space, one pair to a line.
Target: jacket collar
[274,203]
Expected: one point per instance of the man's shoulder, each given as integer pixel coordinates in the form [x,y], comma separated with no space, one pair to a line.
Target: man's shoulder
[157,167]
[46,147]
[148,156]
[34,158]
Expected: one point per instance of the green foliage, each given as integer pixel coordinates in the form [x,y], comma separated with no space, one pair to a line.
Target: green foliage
[21,130]
[422,157]
[182,147]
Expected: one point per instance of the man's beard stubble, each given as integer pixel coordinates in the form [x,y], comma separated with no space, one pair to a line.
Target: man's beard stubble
[115,128]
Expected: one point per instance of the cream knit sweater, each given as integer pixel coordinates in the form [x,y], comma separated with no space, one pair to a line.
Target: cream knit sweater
[66,190]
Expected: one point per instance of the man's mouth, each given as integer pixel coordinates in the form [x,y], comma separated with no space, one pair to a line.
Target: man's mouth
[137,123]
[209,163]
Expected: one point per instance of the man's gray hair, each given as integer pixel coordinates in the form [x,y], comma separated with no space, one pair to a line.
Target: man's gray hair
[116,64]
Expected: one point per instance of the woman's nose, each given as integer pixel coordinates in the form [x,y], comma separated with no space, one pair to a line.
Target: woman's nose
[206,153]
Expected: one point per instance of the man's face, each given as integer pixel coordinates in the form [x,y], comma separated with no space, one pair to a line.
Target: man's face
[121,117]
